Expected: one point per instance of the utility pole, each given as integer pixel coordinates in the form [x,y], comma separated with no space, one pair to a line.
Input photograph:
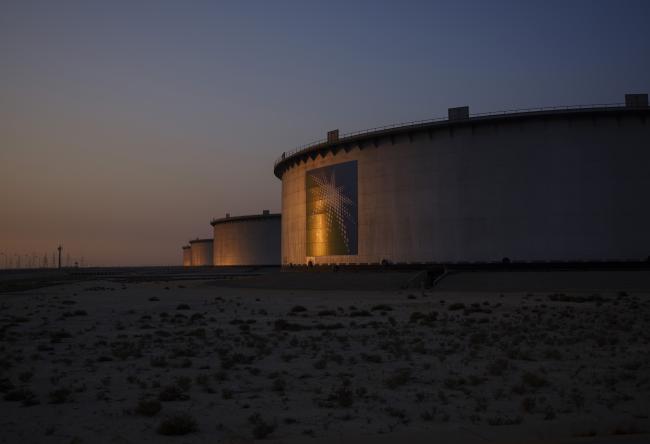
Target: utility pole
[60,248]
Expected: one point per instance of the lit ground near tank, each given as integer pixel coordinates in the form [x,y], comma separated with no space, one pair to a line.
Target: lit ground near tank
[295,357]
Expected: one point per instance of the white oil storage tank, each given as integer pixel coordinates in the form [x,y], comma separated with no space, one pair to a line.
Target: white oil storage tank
[201,252]
[247,240]
[187,255]
[560,184]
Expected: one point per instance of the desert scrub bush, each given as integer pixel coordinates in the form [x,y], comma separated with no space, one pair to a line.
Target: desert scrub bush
[549,413]
[126,349]
[60,396]
[203,379]
[179,424]
[528,404]
[478,338]
[158,361]
[182,363]
[497,367]
[229,361]
[398,379]
[326,313]
[19,395]
[298,309]
[288,357]
[148,407]
[533,380]
[284,325]
[428,415]
[381,307]
[57,336]
[220,376]
[184,382]
[196,317]
[172,393]
[360,313]
[261,428]
[6,385]
[335,326]
[577,398]
[418,317]
[627,429]
[184,352]
[632,365]
[320,364]
[504,420]
[553,354]
[197,333]
[279,385]
[182,307]
[519,354]
[397,413]
[586,434]
[453,383]
[340,397]
[375,359]
[25,376]
[456,306]
[475,380]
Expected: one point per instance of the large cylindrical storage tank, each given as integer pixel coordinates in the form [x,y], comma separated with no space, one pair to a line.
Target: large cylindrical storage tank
[201,252]
[247,240]
[559,185]
[187,256]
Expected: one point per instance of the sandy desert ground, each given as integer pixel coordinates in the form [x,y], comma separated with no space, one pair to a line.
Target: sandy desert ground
[204,361]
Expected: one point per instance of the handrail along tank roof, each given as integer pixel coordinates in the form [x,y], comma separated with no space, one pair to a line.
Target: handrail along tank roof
[319,147]
[229,219]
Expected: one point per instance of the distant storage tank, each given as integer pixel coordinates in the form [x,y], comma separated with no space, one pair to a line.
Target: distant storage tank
[187,256]
[247,240]
[201,252]
[565,184]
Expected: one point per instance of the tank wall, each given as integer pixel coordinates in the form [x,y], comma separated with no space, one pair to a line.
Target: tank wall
[534,189]
[201,253]
[247,242]
[187,257]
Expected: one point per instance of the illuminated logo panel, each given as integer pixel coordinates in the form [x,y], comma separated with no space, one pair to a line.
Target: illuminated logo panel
[332,210]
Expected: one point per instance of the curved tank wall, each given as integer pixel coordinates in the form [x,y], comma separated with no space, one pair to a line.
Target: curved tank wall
[544,186]
[201,252]
[187,256]
[247,240]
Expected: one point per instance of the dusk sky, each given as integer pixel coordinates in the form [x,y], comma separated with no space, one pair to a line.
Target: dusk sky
[126,126]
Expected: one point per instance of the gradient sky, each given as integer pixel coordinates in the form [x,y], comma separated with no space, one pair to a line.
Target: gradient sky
[126,126]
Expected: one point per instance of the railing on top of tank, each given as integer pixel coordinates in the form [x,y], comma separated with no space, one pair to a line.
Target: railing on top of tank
[309,145]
